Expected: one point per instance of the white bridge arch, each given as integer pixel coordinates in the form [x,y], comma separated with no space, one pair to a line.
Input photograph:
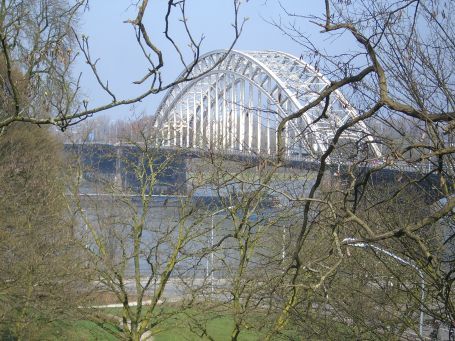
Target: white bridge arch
[237,104]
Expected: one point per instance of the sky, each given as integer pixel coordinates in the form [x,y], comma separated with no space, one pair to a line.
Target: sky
[120,59]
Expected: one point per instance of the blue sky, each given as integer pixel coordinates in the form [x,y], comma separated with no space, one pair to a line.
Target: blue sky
[121,61]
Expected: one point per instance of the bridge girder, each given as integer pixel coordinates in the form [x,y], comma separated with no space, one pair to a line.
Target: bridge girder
[236,106]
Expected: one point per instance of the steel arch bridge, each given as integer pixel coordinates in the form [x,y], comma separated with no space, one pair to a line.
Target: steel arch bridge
[237,104]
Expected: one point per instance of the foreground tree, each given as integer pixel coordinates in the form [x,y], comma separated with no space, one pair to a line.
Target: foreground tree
[145,246]
[400,79]
[41,272]
[39,40]
[369,202]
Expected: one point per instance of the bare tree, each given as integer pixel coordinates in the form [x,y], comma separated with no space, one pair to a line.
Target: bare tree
[39,40]
[401,88]
[145,240]
[400,80]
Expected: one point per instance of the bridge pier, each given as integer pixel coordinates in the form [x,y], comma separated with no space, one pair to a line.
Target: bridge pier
[118,169]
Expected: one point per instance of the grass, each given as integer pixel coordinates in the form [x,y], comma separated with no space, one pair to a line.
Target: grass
[82,330]
[176,326]
[218,328]
[181,326]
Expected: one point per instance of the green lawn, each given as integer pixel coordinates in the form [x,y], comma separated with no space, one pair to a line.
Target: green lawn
[176,326]
[175,329]
[77,330]
[218,328]
[188,325]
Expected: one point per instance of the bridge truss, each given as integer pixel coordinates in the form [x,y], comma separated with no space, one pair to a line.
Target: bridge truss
[236,106]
